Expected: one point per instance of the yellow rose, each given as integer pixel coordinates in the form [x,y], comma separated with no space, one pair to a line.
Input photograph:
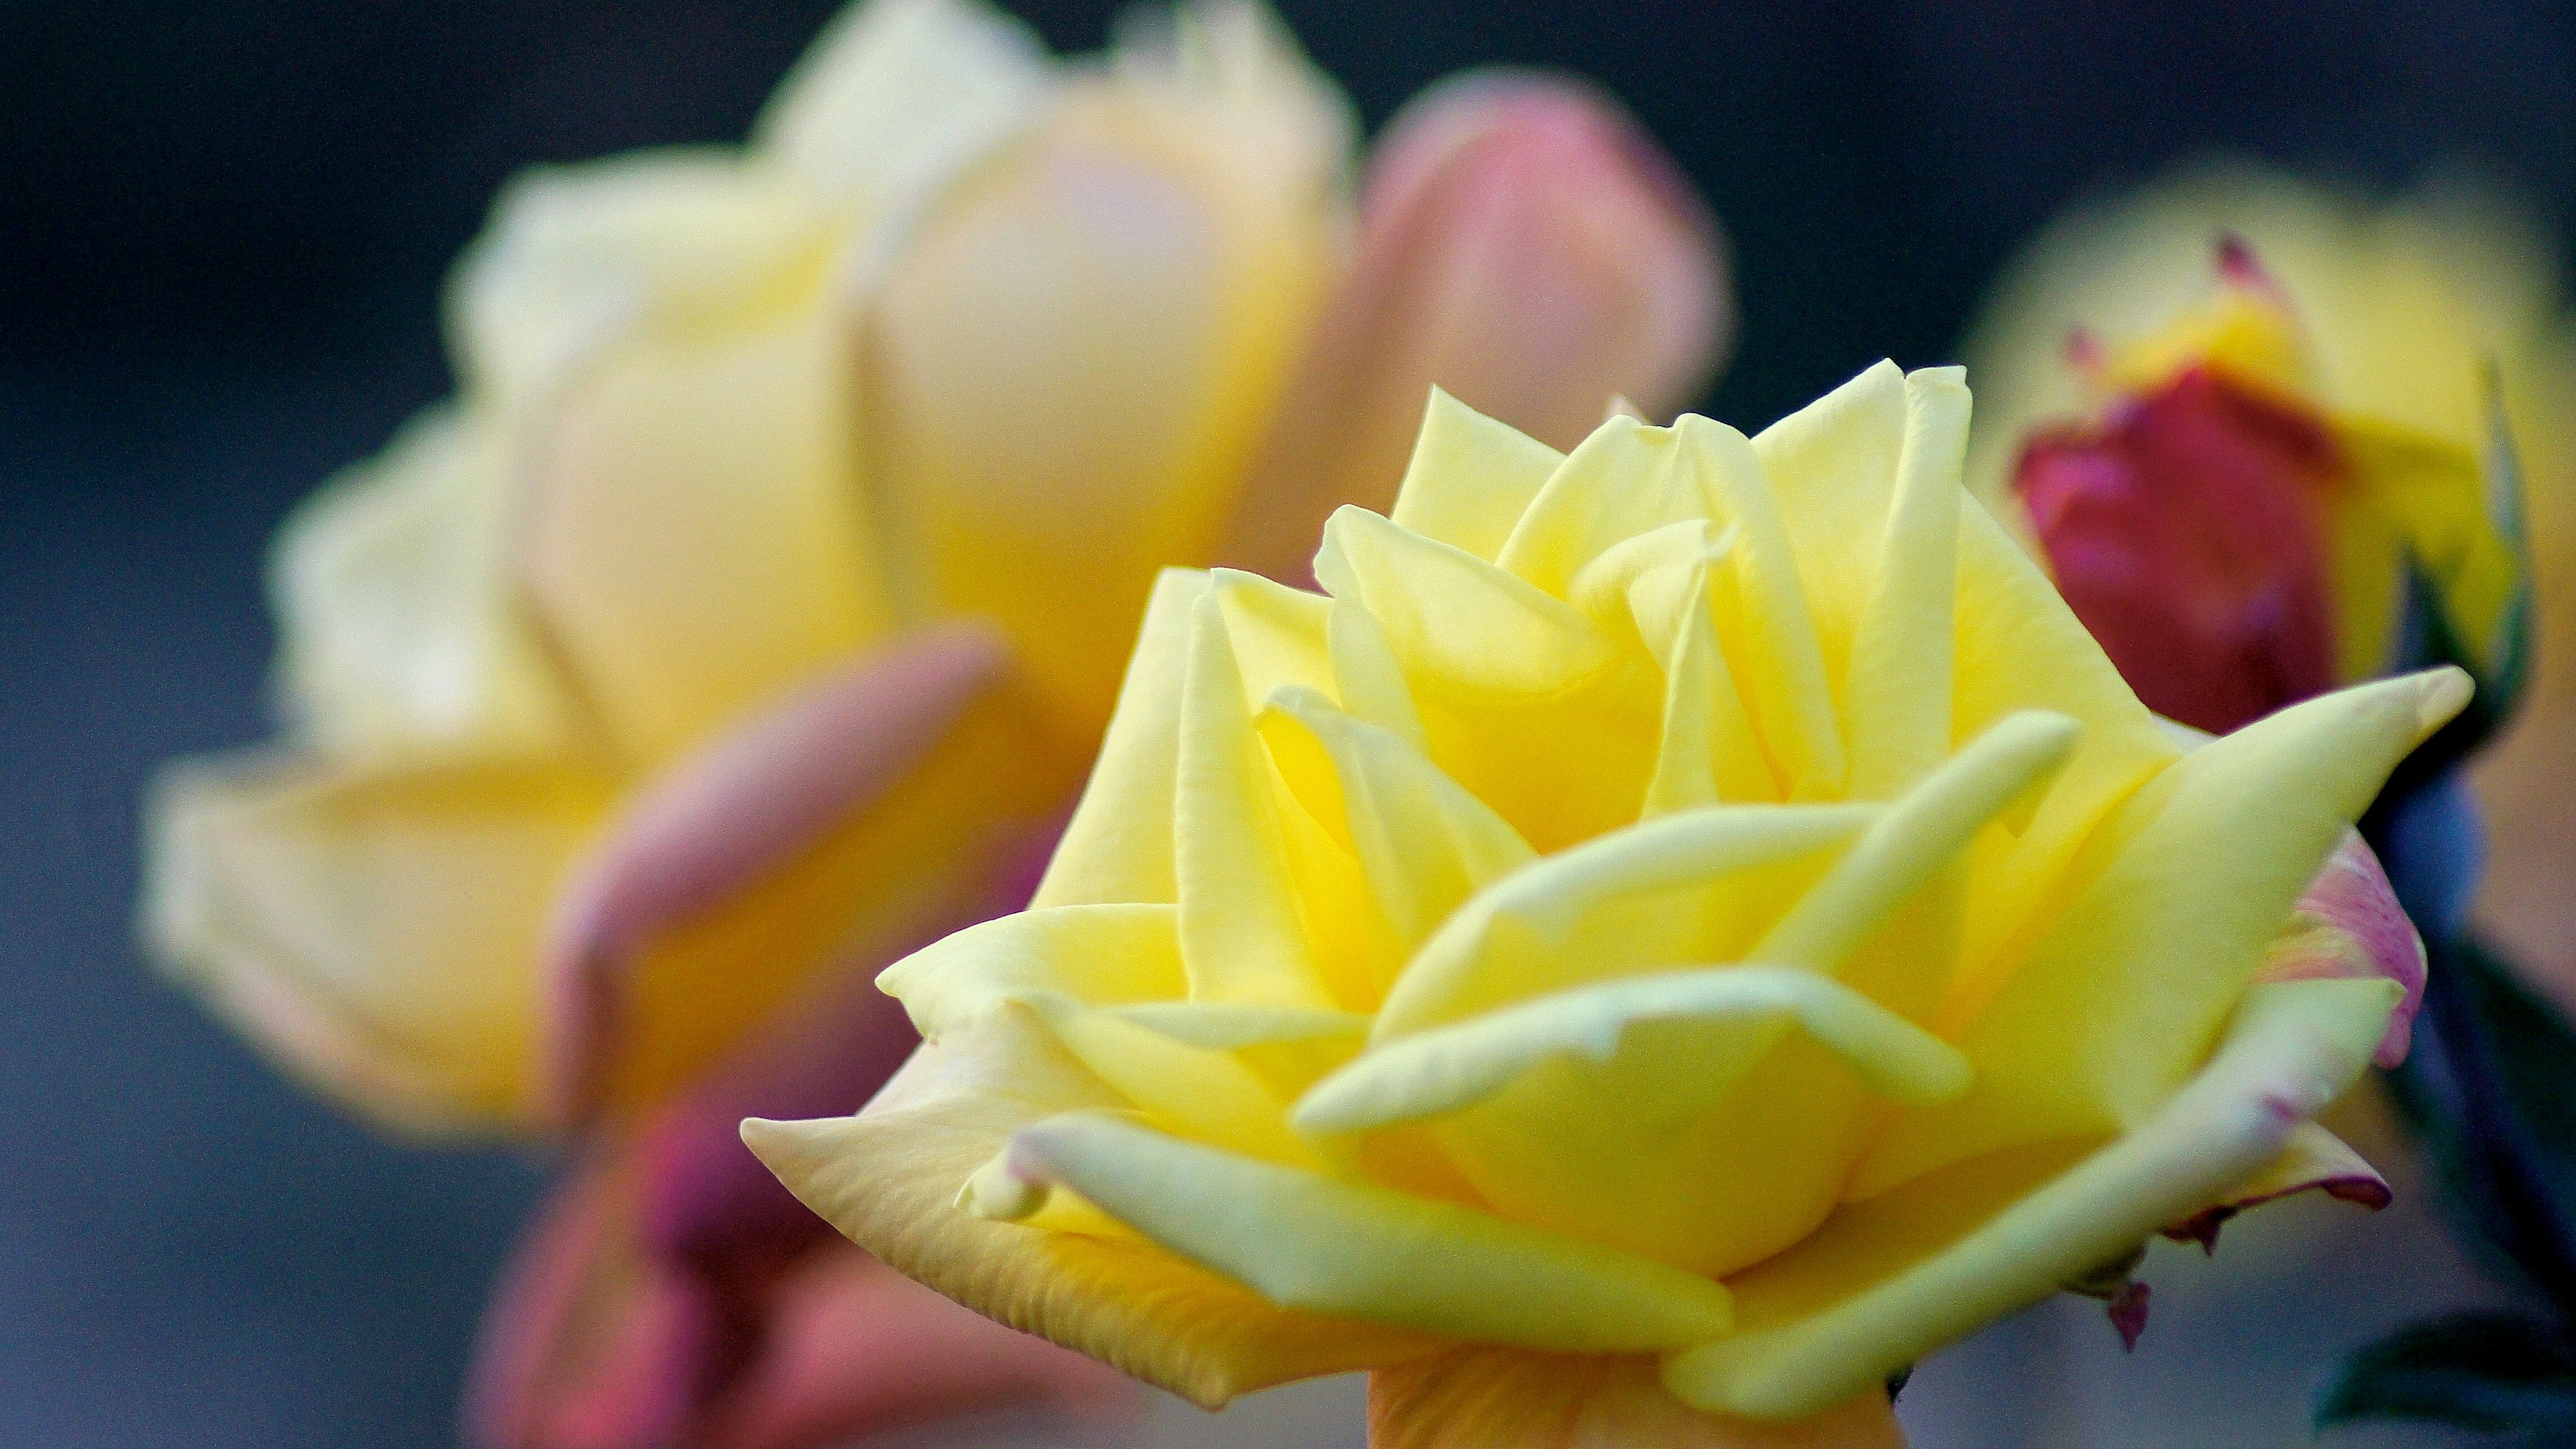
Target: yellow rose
[1698,907]
[760,599]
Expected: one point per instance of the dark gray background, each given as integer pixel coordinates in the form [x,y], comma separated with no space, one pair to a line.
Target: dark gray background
[221,233]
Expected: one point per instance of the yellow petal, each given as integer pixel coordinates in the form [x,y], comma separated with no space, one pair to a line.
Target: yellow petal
[1900,687]
[1465,624]
[1242,937]
[889,1179]
[1470,478]
[1832,467]
[1622,481]
[1424,842]
[2315,1160]
[1770,633]
[1118,846]
[1101,955]
[2437,497]
[398,619]
[1443,1070]
[2111,1011]
[1916,838]
[378,932]
[1884,1282]
[1304,1241]
[692,536]
[896,95]
[577,259]
[1485,1398]
[1060,965]
[1621,905]
[1069,365]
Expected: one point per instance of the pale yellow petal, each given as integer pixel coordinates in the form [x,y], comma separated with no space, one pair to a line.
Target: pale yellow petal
[1471,478]
[1898,694]
[400,625]
[889,1178]
[1460,623]
[1768,628]
[1242,937]
[1119,844]
[1688,887]
[2109,1013]
[895,96]
[1450,1068]
[577,259]
[1082,970]
[378,932]
[1279,635]
[692,535]
[1490,1398]
[1349,1249]
[1624,480]
[1425,844]
[1069,365]
[1832,467]
[1885,1282]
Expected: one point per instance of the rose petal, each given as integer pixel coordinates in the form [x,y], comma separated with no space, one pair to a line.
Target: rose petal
[1482,1398]
[1524,248]
[734,811]
[854,1347]
[2348,924]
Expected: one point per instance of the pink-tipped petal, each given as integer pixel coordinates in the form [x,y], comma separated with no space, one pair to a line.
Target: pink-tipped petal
[2348,924]
[853,1347]
[1522,246]
[739,807]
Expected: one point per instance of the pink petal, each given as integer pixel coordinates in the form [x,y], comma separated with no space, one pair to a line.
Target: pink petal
[589,1344]
[1522,246]
[854,1347]
[2348,924]
[736,809]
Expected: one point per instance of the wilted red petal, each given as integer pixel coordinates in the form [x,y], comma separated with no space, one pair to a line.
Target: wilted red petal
[1523,246]
[737,808]
[2349,924]
[2186,530]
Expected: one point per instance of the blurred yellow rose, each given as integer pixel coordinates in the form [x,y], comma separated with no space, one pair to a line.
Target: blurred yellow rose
[1672,933]
[2378,323]
[756,605]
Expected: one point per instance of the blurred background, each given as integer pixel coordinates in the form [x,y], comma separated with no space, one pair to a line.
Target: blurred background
[220,261]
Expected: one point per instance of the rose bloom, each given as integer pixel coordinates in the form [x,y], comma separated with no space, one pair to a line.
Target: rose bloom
[1672,933]
[2281,398]
[750,615]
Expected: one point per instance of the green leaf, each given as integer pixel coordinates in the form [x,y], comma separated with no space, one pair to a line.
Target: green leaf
[2476,1370]
[2488,1088]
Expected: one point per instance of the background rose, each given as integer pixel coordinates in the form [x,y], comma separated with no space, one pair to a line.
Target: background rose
[732,633]
[1697,904]
[2383,320]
